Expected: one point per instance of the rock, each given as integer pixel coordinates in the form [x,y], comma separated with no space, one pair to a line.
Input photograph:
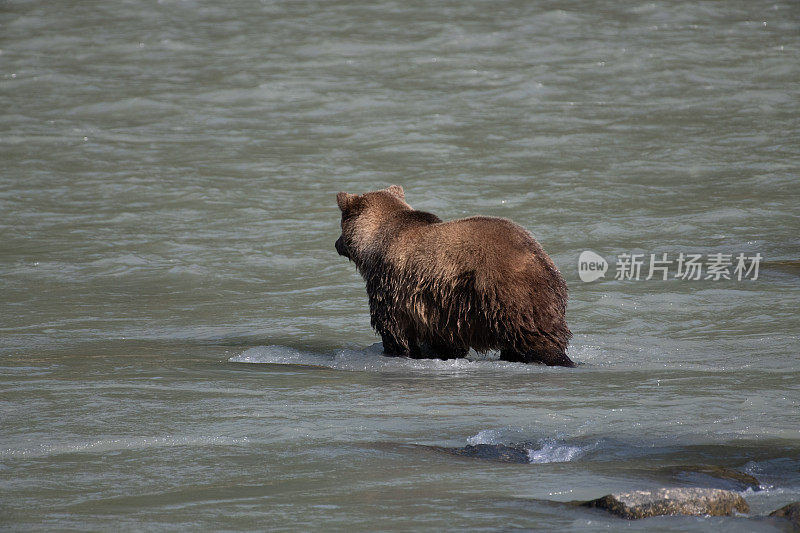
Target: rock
[718,477]
[791,512]
[492,452]
[672,501]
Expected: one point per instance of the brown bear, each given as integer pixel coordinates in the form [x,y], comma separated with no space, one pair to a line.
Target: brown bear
[478,282]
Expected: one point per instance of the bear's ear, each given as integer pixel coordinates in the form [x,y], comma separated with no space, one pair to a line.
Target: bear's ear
[396,190]
[345,200]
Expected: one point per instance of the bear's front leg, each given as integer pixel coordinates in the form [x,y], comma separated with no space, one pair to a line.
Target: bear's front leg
[395,348]
[392,347]
[446,351]
[414,351]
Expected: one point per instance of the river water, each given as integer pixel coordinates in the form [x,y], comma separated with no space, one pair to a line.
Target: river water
[182,348]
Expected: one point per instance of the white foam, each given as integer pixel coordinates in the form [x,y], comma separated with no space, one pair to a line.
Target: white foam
[552,452]
[485,436]
[279,355]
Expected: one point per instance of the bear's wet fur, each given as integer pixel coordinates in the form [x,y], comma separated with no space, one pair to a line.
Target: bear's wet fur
[479,282]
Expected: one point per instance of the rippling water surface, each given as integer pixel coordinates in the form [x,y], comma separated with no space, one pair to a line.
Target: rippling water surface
[182,348]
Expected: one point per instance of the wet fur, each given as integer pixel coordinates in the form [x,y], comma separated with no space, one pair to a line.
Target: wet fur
[445,287]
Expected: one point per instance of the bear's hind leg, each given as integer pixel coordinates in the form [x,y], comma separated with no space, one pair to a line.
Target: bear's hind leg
[512,356]
[554,357]
[551,357]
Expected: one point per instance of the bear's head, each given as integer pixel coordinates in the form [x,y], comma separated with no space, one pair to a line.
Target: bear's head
[362,217]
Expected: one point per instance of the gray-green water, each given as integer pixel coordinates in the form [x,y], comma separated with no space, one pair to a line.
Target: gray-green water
[183,349]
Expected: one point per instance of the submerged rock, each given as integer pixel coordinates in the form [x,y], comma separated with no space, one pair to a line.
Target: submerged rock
[498,453]
[791,512]
[673,501]
[492,452]
[718,477]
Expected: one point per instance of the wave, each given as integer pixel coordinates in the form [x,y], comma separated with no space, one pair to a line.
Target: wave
[122,443]
[371,359]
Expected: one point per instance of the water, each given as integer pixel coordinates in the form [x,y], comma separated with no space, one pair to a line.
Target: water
[182,347]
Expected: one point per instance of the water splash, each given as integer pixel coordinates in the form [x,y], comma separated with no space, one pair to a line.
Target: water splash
[539,452]
[553,452]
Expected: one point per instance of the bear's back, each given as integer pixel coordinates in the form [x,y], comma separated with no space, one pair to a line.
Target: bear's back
[475,243]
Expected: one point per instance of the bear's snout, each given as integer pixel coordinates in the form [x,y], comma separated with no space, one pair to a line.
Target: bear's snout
[340,249]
